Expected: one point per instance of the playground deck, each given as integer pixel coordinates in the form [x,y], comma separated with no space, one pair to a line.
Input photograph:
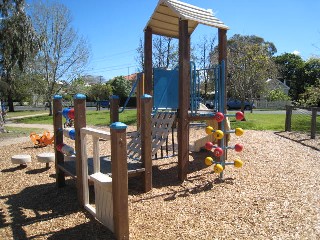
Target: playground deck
[69,167]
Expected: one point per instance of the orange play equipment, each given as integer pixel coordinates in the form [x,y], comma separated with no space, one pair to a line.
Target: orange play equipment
[42,141]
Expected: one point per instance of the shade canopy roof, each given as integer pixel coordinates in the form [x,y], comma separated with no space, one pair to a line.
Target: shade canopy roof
[165,18]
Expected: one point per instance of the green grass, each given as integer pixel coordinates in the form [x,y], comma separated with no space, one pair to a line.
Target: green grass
[94,118]
[256,121]
[14,132]
[24,113]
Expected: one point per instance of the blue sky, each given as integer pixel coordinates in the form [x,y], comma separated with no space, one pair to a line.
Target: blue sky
[113,28]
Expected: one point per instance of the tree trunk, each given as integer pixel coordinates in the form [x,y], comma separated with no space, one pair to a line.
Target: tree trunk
[50,108]
[10,99]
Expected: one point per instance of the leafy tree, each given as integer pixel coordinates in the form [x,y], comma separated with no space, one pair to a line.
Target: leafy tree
[290,68]
[311,71]
[311,96]
[249,65]
[63,54]
[99,92]
[120,86]
[17,43]
[277,95]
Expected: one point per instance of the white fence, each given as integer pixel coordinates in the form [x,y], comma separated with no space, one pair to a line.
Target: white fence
[271,105]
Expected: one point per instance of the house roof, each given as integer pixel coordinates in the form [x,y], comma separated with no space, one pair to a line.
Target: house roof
[165,18]
[275,83]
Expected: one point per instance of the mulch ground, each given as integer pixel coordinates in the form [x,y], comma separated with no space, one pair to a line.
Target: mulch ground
[276,195]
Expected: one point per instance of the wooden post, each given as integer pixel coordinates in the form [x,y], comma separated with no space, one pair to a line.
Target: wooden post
[139,93]
[314,122]
[148,61]
[146,141]
[184,100]
[58,139]
[79,122]
[287,127]
[222,58]
[114,109]
[119,180]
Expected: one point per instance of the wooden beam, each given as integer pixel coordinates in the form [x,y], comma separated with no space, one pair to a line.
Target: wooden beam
[119,170]
[148,61]
[79,122]
[146,141]
[184,100]
[58,139]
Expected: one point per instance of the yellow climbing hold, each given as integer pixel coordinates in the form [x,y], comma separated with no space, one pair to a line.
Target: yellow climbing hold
[218,168]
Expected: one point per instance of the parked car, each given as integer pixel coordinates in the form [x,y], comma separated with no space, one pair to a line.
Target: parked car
[209,104]
[236,104]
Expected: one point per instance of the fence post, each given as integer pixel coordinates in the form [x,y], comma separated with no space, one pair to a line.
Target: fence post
[288,118]
[58,138]
[114,109]
[314,122]
[119,171]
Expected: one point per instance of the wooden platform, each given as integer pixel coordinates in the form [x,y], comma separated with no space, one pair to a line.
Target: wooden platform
[69,167]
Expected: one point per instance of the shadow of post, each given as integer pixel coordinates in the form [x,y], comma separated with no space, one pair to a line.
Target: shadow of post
[46,202]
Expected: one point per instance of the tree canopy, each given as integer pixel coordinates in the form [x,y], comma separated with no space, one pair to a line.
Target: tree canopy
[249,66]
[120,86]
[63,54]
[17,44]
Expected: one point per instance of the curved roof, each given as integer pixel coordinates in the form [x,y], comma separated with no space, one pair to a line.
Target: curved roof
[165,18]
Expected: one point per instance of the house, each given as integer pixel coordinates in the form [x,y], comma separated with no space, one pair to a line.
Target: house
[275,84]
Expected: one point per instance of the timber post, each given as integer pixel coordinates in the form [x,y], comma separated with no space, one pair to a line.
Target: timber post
[314,122]
[119,171]
[287,127]
[58,139]
[148,61]
[79,122]
[146,141]
[184,100]
[114,109]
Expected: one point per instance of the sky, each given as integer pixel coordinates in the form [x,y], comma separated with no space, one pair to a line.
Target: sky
[114,28]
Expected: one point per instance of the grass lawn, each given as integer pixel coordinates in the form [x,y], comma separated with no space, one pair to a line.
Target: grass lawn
[94,118]
[24,113]
[14,132]
[255,121]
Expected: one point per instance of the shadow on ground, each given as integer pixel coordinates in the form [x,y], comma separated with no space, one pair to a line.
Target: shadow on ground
[46,203]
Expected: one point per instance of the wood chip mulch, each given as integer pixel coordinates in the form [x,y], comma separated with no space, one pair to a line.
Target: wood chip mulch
[276,195]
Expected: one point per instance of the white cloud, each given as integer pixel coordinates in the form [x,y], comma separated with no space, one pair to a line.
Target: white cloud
[296,52]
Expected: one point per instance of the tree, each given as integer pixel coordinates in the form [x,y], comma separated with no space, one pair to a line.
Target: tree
[311,96]
[99,92]
[17,43]
[164,52]
[290,67]
[249,65]
[63,54]
[120,86]
[204,49]
[311,71]
[277,95]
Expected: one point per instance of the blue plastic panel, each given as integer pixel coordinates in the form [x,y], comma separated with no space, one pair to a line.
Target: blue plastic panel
[165,88]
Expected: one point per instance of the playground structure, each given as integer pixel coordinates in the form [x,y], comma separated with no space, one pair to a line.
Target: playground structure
[173,19]
[176,19]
